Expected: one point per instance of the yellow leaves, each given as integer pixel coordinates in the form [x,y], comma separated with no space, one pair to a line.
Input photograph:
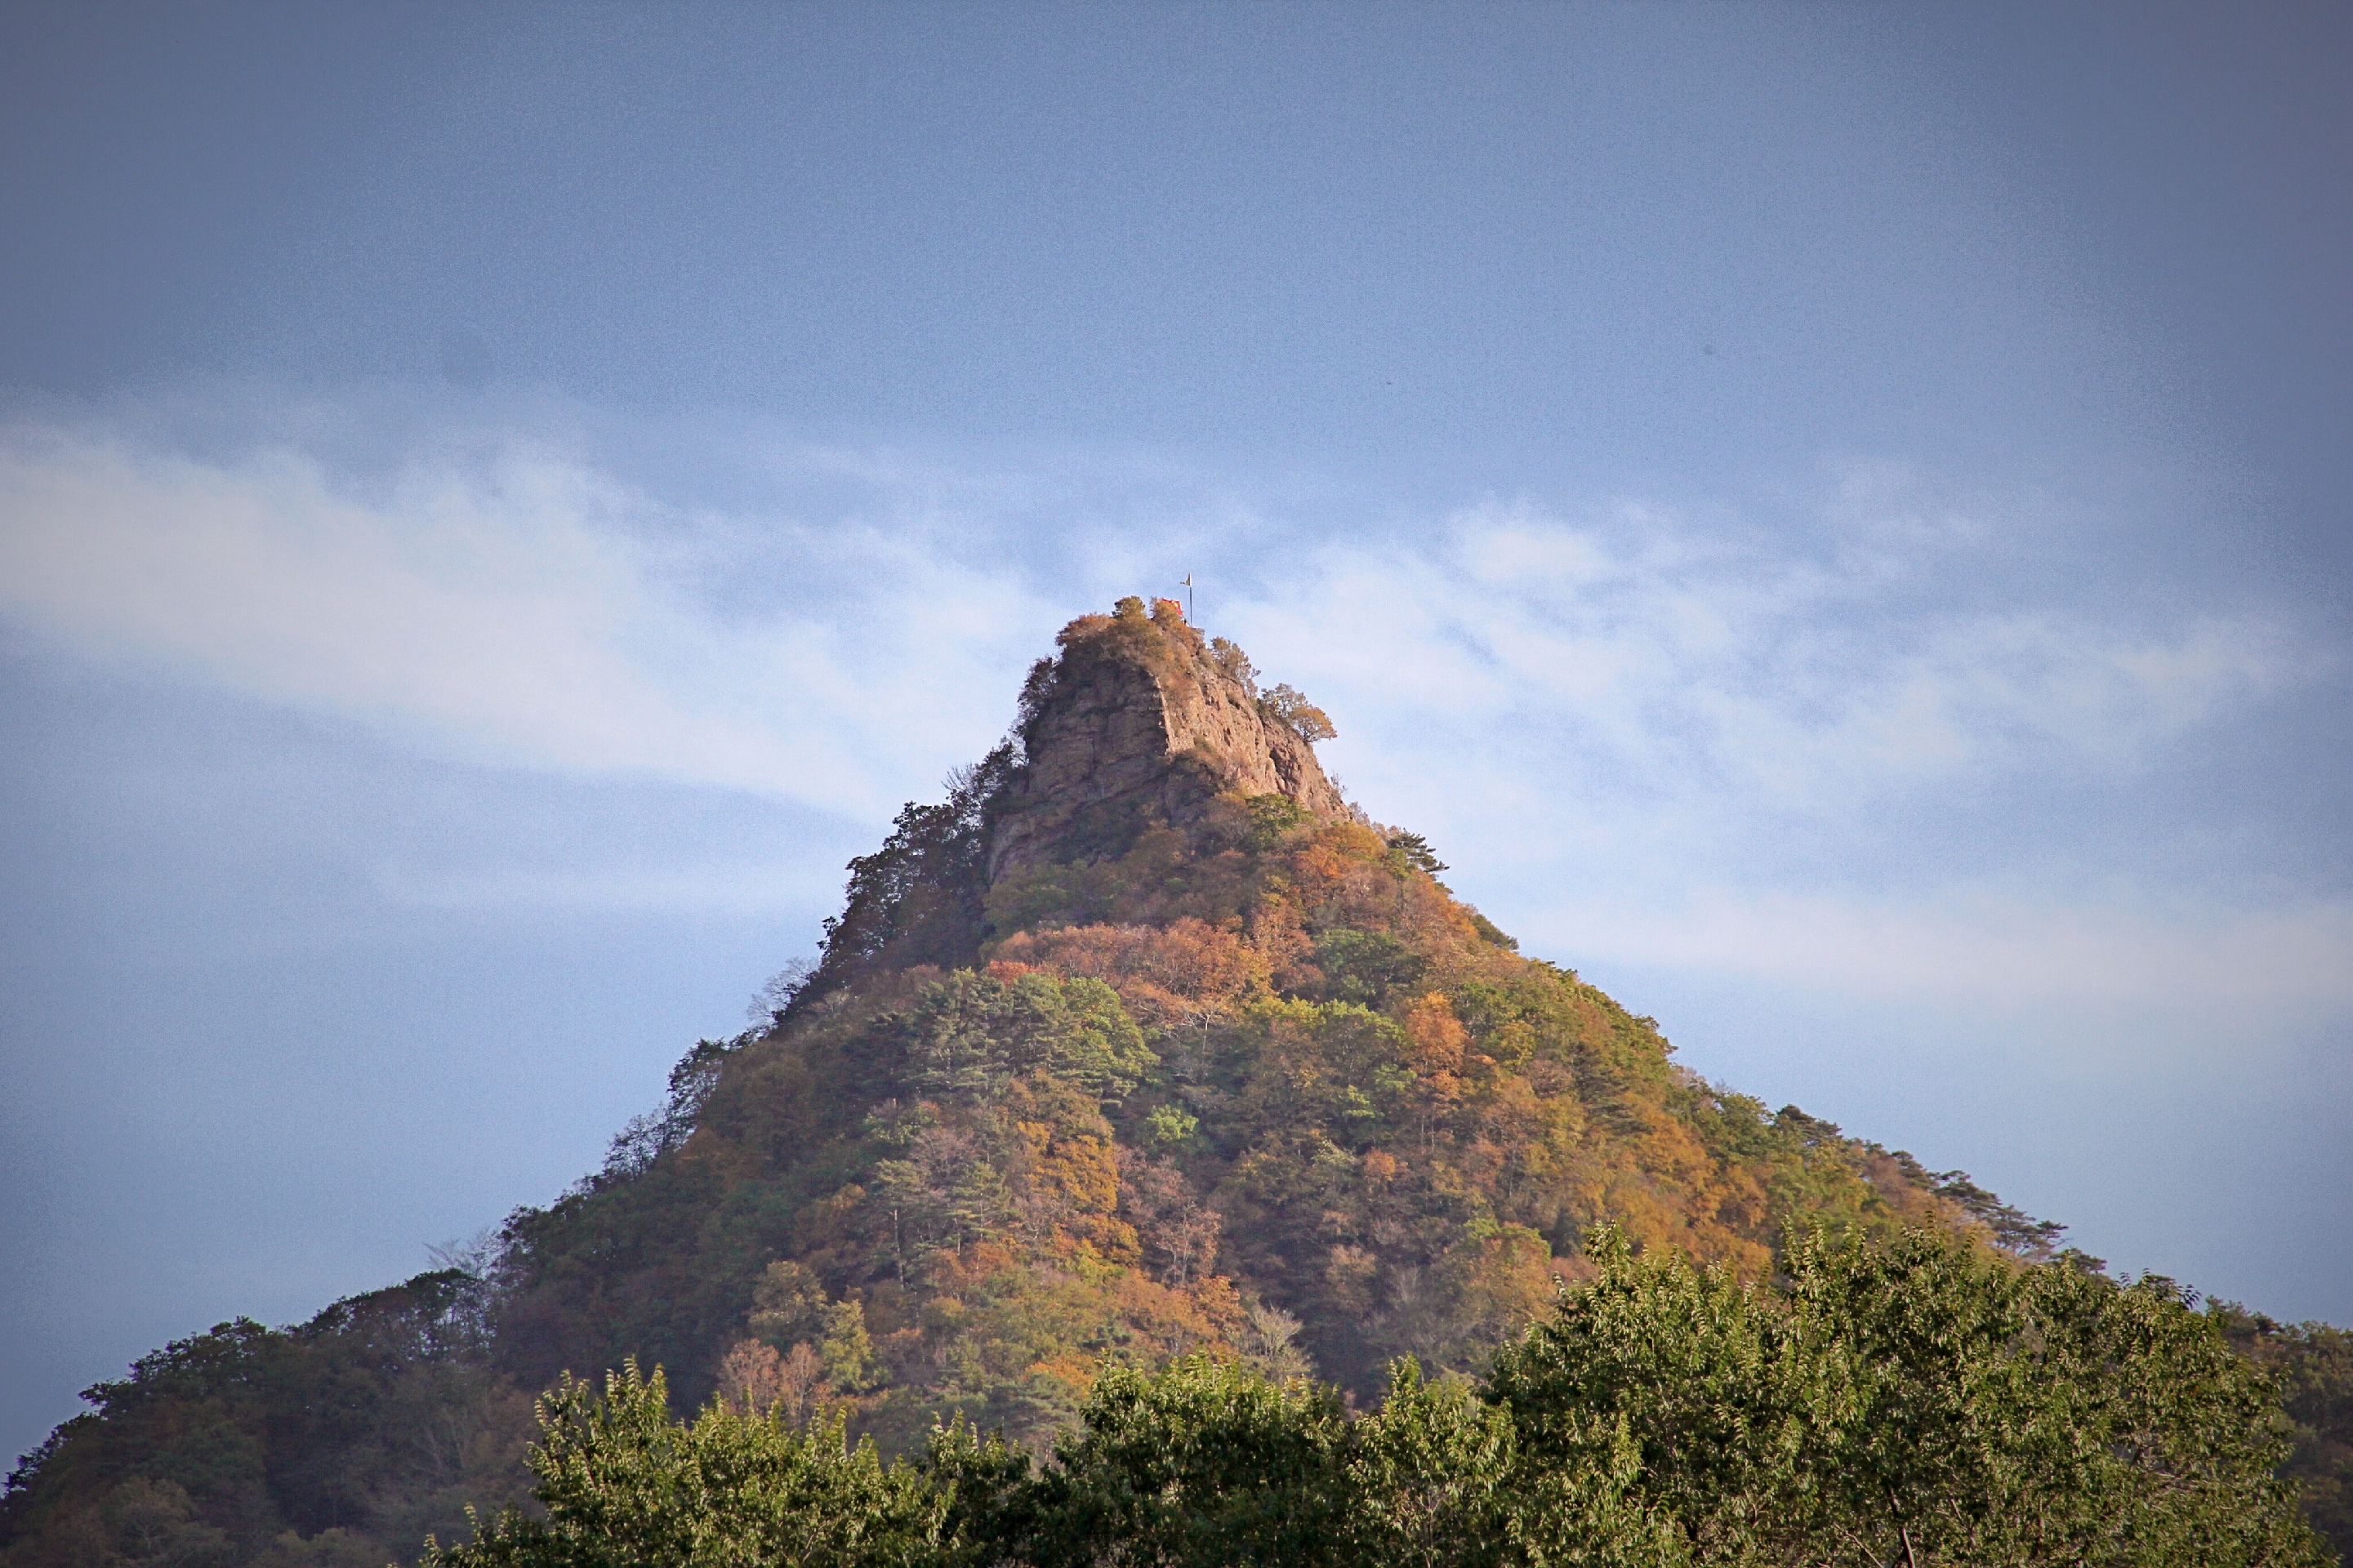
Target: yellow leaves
[1505,1278]
[1069,1197]
[966,1273]
[1084,1168]
[1437,1038]
[1218,1303]
[1087,627]
[995,1321]
[1342,857]
[1074,1372]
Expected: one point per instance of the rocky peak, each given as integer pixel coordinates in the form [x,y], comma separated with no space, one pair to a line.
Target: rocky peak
[1141,721]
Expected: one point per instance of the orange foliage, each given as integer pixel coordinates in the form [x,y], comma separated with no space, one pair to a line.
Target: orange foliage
[1437,1036]
[1164,977]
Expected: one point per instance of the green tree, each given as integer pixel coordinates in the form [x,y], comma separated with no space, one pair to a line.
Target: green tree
[1927,1402]
[626,1486]
[1204,1463]
[1920,1402]
[973,1033]
[1423,1474]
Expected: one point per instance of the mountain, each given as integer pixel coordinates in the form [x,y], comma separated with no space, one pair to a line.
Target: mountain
[1145,1041]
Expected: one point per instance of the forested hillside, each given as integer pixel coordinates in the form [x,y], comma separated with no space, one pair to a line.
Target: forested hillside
[1143,1044]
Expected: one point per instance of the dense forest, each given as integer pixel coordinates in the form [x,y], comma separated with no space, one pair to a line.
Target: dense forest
[1159,1156]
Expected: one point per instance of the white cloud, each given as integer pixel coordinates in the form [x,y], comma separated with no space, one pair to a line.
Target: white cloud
[1686,668]
[1611,715]
[753,889]
[1650,746]
[530,615]
[533,612]
[2004,949]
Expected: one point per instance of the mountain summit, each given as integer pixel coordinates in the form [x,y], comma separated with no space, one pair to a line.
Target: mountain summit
[1139,732]
[1141,721]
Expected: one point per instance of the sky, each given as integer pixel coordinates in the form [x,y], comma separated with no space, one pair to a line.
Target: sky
[1832,520]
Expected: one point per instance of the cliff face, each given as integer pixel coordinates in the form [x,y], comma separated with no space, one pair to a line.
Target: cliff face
[1140,723]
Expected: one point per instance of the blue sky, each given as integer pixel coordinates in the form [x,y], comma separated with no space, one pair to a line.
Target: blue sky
[1831,518]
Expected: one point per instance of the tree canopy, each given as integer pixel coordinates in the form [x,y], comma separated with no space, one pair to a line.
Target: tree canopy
[1919,1401]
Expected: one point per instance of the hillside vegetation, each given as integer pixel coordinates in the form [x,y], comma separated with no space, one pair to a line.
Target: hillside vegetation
[1916,1402]
[1143,1047]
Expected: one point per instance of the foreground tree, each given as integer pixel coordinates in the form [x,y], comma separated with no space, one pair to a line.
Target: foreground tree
[1920,1403]
[626,1486]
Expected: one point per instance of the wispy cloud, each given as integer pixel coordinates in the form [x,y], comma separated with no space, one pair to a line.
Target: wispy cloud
[534,614]
[2001,949]
[1631,729]
[1681,666]
[1617,708]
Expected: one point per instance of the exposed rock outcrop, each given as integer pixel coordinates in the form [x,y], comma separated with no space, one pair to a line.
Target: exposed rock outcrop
[1140,723]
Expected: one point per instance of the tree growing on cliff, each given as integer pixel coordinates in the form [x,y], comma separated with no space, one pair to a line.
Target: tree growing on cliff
[1306,721]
